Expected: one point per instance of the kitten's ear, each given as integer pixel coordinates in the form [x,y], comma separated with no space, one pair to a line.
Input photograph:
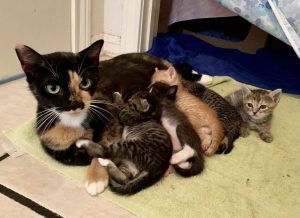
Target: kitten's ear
[171,72]
[172,91]
[246,90]
[275,95]
[29,58]
[93,52]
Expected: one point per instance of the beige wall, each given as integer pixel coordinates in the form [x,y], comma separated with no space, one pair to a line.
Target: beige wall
[43,25]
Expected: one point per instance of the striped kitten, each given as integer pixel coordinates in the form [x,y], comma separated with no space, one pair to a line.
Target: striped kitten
[135,149]
[256,108]
[203,119]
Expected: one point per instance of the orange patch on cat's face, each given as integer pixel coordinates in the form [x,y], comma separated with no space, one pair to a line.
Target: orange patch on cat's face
[77,93]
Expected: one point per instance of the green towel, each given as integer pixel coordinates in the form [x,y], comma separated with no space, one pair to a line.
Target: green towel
[256,179]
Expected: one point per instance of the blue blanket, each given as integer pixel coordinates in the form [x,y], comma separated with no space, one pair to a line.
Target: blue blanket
[267,69]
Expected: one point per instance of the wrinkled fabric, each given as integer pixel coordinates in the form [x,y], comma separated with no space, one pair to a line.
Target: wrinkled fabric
[266,69]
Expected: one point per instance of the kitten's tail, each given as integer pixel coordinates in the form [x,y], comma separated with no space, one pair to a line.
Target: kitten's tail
[193,166]
[141,181]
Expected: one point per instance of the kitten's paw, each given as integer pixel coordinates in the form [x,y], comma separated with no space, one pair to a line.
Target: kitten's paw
[244,132]
[104,162]
[82,143]
[266,136]
[95,188]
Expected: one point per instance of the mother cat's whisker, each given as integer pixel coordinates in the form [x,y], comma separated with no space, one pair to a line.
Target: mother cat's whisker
[48,117]
[50,122]
[43,116]
[94,109]
[98,114]
[101,109]
[103,102]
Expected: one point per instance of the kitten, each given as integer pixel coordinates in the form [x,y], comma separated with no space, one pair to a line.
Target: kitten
[140,155]
[203,119]
[256,108]
[187,158]
[227,113]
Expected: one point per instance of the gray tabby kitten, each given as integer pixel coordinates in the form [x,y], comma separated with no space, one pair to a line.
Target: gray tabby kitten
[256,108]
[135,149]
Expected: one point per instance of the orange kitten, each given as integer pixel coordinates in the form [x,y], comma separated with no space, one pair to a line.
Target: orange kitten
[202,117]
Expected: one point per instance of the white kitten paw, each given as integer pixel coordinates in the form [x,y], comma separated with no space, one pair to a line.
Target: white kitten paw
[104,162]
[185,165]
[95,188]
[82,142]
[206,80]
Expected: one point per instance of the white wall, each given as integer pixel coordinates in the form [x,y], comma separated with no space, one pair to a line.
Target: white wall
[43,25]
[106,21]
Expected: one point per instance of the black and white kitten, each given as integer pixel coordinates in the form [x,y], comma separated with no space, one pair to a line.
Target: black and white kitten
[187,158]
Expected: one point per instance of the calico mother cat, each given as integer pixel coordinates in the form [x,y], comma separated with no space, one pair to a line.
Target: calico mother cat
[256,108]
[203,119]
[136,149]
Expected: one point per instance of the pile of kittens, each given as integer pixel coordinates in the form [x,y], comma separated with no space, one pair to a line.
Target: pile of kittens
[166,112]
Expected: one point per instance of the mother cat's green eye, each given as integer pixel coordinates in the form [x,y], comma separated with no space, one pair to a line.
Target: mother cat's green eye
[85,83]
[53,88]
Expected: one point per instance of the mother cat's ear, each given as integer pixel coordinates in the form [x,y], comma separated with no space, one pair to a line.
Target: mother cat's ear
[29,58]
[275,95]
[92,52]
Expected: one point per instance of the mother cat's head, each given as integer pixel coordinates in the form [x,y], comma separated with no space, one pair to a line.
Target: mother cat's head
[62,82]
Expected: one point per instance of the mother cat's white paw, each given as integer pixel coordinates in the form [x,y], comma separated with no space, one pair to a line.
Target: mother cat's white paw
[95,188]
[82,142]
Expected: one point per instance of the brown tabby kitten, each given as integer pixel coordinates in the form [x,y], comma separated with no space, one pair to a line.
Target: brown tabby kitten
[187,158]
[256,108]
[203,119]
[140,155]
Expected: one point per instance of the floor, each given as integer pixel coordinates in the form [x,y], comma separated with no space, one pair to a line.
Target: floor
[26,176]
